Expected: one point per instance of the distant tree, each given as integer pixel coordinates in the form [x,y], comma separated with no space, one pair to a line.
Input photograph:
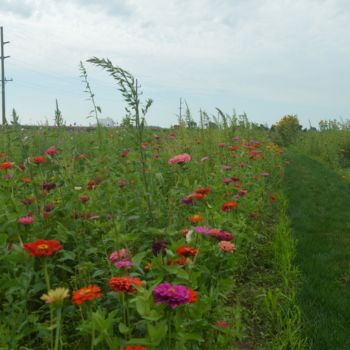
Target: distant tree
[287,129]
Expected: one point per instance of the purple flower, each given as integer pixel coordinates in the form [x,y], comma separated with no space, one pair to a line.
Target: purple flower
[159,247]
[265,174]
[172,295]
[186,200]
[225,236]
[221,145]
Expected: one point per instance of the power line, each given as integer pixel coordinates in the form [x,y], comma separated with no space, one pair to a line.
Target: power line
[3,78]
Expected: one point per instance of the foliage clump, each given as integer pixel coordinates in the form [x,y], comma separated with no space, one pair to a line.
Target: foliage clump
[287,130]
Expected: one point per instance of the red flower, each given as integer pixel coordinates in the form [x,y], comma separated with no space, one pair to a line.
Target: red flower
[193,296]
[132,347]
[42,247]
[124,284]
[5,165]
[273,197]
[187,251]
[38,159]
[204,190]
[227,206]
[90,292]
[84,198]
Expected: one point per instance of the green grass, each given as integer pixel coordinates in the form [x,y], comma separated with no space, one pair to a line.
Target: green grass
[319,208]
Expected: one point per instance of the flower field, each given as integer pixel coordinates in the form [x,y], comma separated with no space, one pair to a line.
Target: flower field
[138,238]
[111,246]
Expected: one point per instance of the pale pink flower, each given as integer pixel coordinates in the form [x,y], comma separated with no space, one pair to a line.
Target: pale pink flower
[226,246]
[179,159]
[204,158]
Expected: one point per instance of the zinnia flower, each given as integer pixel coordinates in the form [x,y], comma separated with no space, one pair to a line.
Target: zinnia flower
[226,246]
[195,218]
[6,165]
[90,292]
[133,347]
[172,295]
[159,247]
[187,251]
[125,284]
[55,296]
[179,159]
[38,159]
[227,206]
[26,220]
[42,247]
[203,159]
[51,151]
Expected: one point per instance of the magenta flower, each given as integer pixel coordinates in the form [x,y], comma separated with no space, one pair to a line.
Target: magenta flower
[172,295]
[203,229]
[227,167]
[179,159]
[204,158]
[221,145]
[265,174]
[26,220]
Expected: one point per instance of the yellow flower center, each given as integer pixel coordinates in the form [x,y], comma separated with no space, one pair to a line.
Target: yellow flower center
[43,246]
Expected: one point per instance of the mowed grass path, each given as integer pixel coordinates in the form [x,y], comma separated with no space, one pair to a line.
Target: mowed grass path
[319,208]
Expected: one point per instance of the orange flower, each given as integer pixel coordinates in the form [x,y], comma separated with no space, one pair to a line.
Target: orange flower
[26,179]
[227,206]
[90,292]
[124,284]
[148,266]
[6,165]
[193,296]
[195,218]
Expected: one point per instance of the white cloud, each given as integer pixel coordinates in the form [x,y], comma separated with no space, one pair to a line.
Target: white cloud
[274,51]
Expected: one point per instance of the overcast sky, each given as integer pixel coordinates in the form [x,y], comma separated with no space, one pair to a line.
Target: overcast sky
[267,58]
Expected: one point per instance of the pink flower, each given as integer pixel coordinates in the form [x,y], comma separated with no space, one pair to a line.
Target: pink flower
[51,150]
[265,174]
[227,180]
[179,159]
[226,246]
[26,220]
[204,158]
[221,145]
[227,167]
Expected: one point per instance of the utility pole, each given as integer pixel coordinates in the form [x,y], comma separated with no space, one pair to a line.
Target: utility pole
[3,78]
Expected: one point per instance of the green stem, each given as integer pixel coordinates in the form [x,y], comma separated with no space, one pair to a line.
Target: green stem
[47,280]
[58,326]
